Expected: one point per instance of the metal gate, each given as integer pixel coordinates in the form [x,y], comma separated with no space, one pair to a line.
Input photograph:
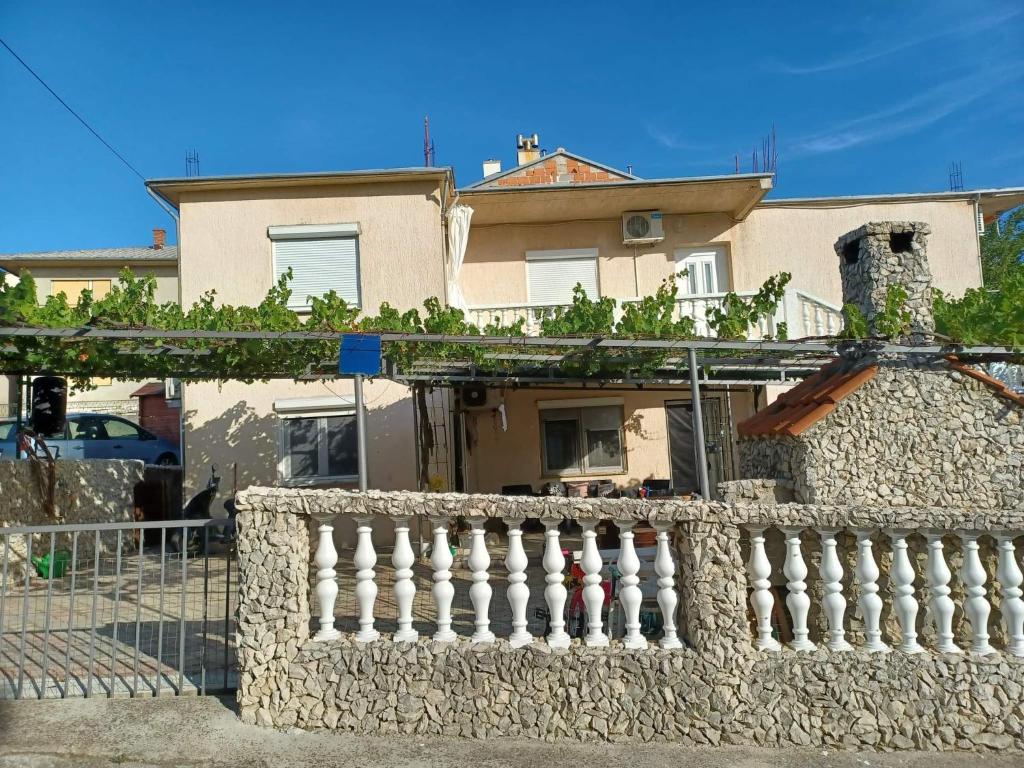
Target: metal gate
[116,609]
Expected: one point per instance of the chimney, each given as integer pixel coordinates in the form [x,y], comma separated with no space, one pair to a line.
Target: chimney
[527,148]
[159,239]
[884,253]
[491,167]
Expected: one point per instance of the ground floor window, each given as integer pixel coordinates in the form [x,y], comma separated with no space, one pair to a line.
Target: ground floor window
[319,448]
[582,440]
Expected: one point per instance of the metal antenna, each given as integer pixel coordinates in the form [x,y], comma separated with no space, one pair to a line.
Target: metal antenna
[956,177]
[191,163]
[428,145]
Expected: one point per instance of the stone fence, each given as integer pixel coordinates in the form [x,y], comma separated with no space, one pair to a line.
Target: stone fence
[748,663]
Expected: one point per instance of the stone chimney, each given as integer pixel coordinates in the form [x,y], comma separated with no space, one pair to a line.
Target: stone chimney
[159,239]
[883,253]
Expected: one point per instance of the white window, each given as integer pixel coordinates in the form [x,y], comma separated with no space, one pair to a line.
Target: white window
[551,276]
[705,271]
[322,258]
[582,437]
[318,442]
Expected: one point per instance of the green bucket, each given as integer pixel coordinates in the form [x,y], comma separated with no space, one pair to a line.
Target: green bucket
[48,570]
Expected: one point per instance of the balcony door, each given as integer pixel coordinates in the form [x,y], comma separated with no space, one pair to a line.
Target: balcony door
[704,269]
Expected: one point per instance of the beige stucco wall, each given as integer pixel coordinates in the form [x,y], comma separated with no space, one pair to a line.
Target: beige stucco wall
[496,458]
[224,245]
[772,239]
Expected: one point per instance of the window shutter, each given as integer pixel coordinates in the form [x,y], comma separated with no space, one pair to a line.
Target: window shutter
[552,278]
[319,266]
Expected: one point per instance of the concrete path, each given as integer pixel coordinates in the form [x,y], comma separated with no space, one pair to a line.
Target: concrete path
[196,731]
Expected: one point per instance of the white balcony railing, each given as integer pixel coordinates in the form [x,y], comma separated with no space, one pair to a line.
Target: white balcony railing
[804,314]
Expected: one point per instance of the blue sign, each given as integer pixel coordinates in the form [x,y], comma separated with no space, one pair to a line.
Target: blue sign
[360,353]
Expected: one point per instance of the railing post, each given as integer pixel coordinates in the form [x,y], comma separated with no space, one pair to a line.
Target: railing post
[593,594]
[364,560]
[325,559]
[869,604]
[629,593]
[901,578]
[405,589]
[1010,578]
[554,592]
[665,568]
[761,598]
[441,559]
[831,572]
[791,315]
[518,593]
[941,606]
[976,607]
[480,592]
[797,600]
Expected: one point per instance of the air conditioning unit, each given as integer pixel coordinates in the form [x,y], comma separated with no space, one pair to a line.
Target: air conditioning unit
[639,227]
[474,396]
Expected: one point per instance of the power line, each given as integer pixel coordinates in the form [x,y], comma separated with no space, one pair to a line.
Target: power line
[77,116]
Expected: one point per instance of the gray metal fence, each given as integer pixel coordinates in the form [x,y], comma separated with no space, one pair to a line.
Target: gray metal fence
[116,609]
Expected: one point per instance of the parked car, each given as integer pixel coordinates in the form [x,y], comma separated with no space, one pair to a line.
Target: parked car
[97,436]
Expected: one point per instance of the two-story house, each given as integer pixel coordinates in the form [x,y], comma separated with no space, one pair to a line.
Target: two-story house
[535,231]
[71,272]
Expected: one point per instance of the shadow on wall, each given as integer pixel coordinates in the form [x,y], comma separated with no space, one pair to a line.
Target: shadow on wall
[244,440]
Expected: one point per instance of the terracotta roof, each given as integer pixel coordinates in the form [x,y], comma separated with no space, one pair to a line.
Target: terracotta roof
[153,388]
[816,396]
[999,387]
[809,401]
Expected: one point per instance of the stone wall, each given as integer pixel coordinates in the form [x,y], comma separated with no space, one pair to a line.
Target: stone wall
[914,435]
[87,491]
[718,690]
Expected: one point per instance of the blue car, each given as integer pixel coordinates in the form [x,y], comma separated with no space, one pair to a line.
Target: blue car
[97,436]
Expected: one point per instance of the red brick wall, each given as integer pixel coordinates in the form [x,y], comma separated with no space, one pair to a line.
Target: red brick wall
[547,173]
[159,418]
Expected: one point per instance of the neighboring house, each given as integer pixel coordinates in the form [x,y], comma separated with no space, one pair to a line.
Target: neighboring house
[534,232]
[70,272]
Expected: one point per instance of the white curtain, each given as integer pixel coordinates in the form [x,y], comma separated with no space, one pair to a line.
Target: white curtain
[458,237]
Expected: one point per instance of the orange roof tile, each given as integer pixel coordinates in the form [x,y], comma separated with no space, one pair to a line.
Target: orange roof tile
[809,401]
[999,387]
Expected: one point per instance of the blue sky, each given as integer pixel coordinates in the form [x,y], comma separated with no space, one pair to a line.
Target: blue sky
[866,97]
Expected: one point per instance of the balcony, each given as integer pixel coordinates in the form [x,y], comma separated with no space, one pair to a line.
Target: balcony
[804,314]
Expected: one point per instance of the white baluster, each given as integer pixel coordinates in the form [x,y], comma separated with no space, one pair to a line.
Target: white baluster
[629,593]
[665,567]
[518,593]
[593,594]
[941,606]
[365,559]
[901,578]
[761,599]
[797,600]
[554,591]
[869,606]
[441,559]
[833,602]
[1010,578]
[326,558]
[807,317]
[480,592]
[976,607]
[819,326]
[405,589]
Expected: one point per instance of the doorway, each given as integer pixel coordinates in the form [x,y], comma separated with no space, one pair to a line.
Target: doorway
[682,446]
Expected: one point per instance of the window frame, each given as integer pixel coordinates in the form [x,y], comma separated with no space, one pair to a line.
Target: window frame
[578,408]
[284,457]
[313,232]
[692,258]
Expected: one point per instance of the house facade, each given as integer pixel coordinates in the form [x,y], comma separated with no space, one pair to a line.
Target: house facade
[71,272]
[513,246]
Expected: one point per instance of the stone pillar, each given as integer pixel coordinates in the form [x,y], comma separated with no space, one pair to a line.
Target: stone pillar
[884,253]
[273,605]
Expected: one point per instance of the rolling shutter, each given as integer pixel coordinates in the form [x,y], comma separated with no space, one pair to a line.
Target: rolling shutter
[318,266]
[552,275]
